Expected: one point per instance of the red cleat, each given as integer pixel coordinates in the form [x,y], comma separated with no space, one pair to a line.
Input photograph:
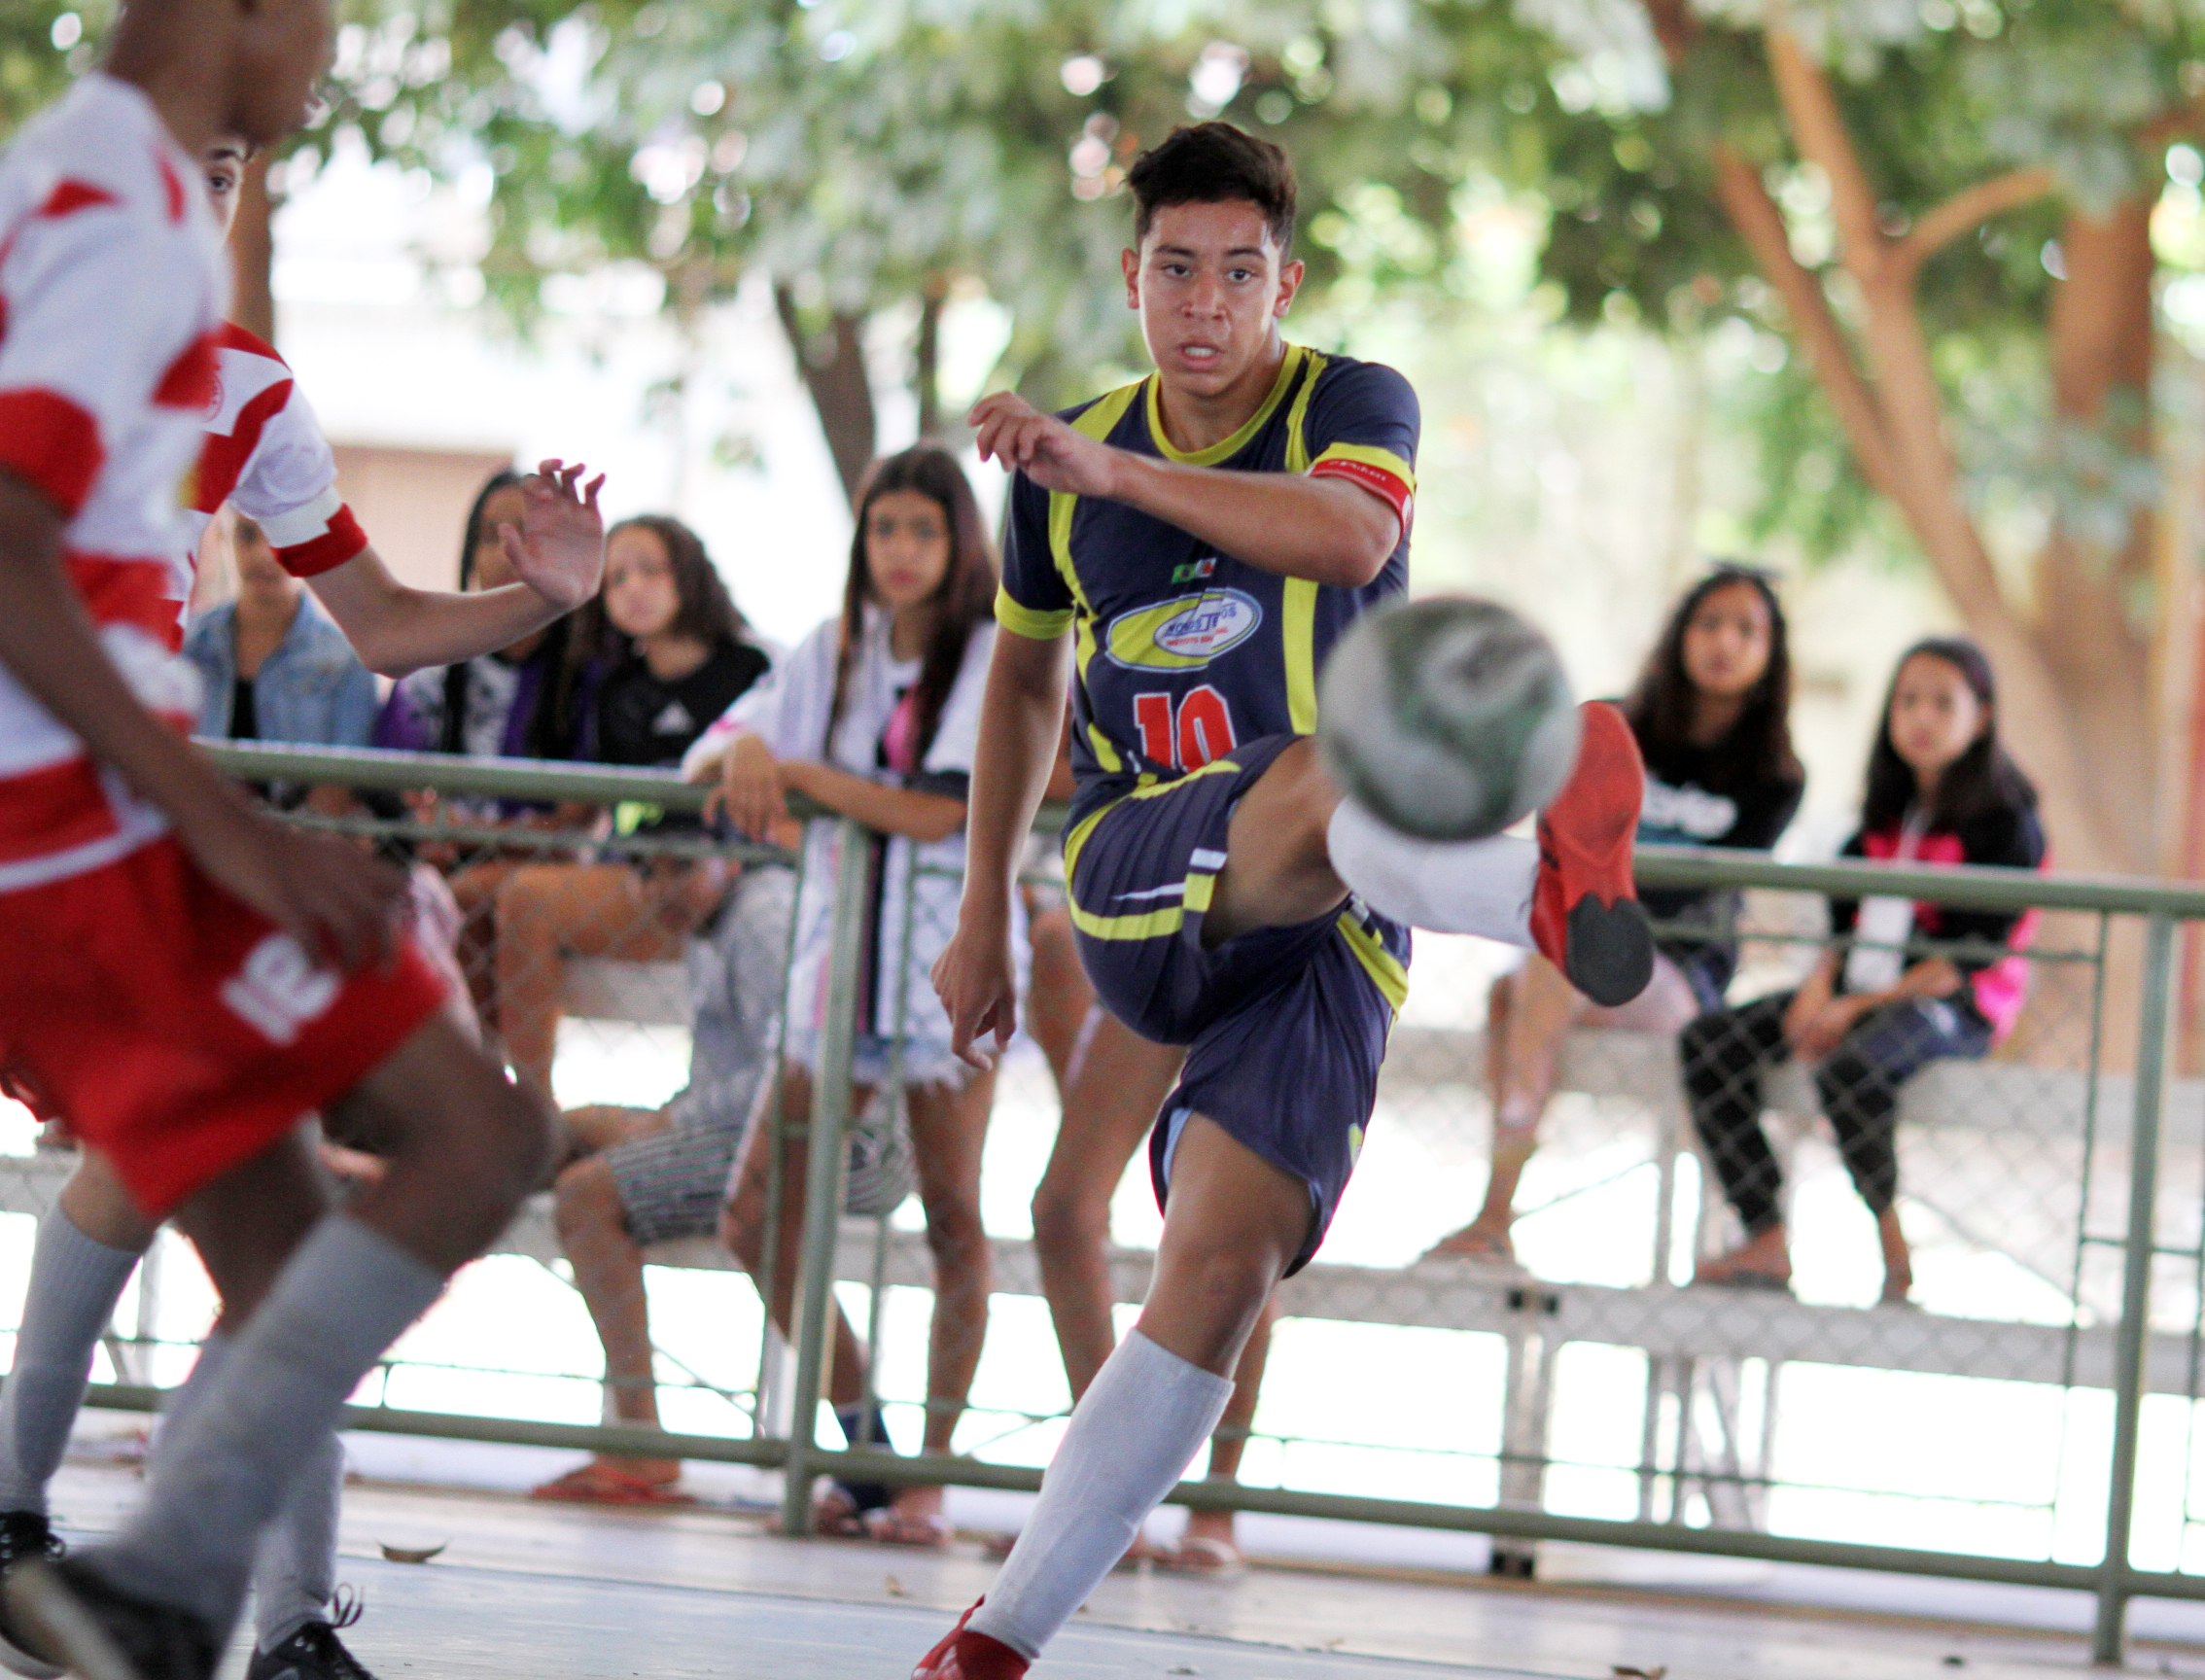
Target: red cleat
[964,1654]
[1586,916]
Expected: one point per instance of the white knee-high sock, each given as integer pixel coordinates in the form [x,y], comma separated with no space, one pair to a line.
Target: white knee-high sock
[1481,887]
[223,1470]
[1132,1437]
[70,1299]
[296,1572]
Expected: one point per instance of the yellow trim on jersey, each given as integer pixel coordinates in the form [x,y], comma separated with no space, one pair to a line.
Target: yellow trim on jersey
[1297,635]
[1384,460]
[1095,422]
[1298,417]
[1383,966]
[1152,924]
[1023,620]
[1232,445]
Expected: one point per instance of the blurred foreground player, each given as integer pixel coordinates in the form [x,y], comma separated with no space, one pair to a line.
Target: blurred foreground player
[186,978]
[264,449]
[1203,536]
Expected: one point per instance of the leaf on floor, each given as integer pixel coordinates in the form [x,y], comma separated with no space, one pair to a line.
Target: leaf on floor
[1623,1672]
[897,1589]
[410,1554]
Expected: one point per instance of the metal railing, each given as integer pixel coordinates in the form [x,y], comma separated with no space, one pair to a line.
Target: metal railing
[2069,1262]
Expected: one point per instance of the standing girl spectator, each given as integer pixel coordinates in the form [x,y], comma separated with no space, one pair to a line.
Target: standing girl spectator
[1941,790]
[1711,713]
[516,703]
[876,715]
[669,658]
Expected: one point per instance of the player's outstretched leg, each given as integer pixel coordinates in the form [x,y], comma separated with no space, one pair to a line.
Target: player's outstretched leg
[1568,895]
[463,1148]
[1233,1225]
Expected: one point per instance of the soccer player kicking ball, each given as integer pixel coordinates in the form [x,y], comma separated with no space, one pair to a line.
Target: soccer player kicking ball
[186,977]
[1203,538]
[263,449]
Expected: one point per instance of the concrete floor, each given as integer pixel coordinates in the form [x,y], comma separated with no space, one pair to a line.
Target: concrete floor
[563,1593]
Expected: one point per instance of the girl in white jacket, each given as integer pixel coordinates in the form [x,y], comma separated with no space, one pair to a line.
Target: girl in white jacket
[875,715]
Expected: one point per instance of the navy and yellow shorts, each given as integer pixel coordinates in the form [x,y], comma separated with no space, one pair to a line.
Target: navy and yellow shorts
[1285,1027]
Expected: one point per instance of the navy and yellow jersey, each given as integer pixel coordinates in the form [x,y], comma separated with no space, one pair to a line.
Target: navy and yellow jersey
[1183,652]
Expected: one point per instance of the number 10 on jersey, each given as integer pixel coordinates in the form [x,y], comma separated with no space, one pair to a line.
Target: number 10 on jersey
[1188,737]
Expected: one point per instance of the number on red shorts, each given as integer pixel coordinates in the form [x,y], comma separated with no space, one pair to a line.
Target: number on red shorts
[1200,731]
[280,989]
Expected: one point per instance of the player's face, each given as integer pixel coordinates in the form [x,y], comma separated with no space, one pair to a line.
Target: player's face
[225,165]
[907,547]
[492,570]
[641,596]
[1934,716]
[1728,641]
[1209,284]
[282,49]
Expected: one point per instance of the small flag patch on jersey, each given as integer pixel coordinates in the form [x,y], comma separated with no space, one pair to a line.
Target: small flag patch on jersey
[1194,569]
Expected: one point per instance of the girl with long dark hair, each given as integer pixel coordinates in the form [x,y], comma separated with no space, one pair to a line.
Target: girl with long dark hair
[1711,712]
[665,659]
[1941,790]
[876,715]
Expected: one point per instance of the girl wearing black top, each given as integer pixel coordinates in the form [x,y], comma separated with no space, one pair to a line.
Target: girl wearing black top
[665,655]
[1711,713]
[1941,790]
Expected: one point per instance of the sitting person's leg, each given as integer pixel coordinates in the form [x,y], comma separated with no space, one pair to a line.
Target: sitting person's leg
[742,1223]
[1724,1056]
[548,912]
[1858,1084]
[949,1126]
[1530,1015]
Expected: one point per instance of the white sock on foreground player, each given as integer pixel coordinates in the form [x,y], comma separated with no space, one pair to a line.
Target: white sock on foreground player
[1482,887]
[75,1284]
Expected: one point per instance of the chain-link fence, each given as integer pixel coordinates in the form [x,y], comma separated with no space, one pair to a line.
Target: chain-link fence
[1958,1330]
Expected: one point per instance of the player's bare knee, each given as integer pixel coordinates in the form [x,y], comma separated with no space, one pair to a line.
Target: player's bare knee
[1068,1221]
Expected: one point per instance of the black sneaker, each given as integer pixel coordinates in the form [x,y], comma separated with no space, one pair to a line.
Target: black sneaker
[98,1631]
[314,1651]
[27,1534]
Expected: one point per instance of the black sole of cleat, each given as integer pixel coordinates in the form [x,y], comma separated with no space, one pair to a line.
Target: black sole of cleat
[1610,950]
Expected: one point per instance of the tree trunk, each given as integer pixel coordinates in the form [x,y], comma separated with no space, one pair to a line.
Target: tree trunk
[252,252]
[832,365]
[927,362]
[2092,614]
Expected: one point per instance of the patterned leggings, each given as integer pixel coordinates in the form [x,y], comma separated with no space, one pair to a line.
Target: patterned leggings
[1726,1054]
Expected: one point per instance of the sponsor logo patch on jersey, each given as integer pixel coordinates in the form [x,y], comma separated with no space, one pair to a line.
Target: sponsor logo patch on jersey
[1184,633]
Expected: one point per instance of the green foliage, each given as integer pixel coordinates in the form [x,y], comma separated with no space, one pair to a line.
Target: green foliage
[43,45]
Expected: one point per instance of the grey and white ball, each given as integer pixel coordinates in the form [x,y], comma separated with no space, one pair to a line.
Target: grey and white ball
[1448,719]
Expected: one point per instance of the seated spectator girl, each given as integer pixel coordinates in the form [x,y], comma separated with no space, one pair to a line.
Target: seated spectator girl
[1941,790]
[516,703]
[670,658]
[274,665]
[875,715]
[1711,713]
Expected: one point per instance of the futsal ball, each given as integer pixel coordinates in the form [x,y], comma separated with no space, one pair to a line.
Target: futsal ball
[1448,719]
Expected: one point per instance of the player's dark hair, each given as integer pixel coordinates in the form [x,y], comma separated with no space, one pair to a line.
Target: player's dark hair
[1981,781]
[965,599]
[1757,751]
[1215,164]
[549,732]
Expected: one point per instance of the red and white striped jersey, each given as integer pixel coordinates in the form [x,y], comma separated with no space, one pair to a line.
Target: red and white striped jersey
[265,455]
[112,293]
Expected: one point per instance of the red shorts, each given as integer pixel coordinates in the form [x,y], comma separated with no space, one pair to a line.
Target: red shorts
[174,1029]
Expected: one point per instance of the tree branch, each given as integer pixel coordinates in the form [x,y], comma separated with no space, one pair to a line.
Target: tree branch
[1759,222]
[1967,209]
[1820,132]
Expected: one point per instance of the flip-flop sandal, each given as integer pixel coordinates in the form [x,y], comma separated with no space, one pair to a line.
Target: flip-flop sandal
[837,1516]
[598,1484]
[1765,1282]
[1204,1555]
[920,1534]
[1478,1250]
